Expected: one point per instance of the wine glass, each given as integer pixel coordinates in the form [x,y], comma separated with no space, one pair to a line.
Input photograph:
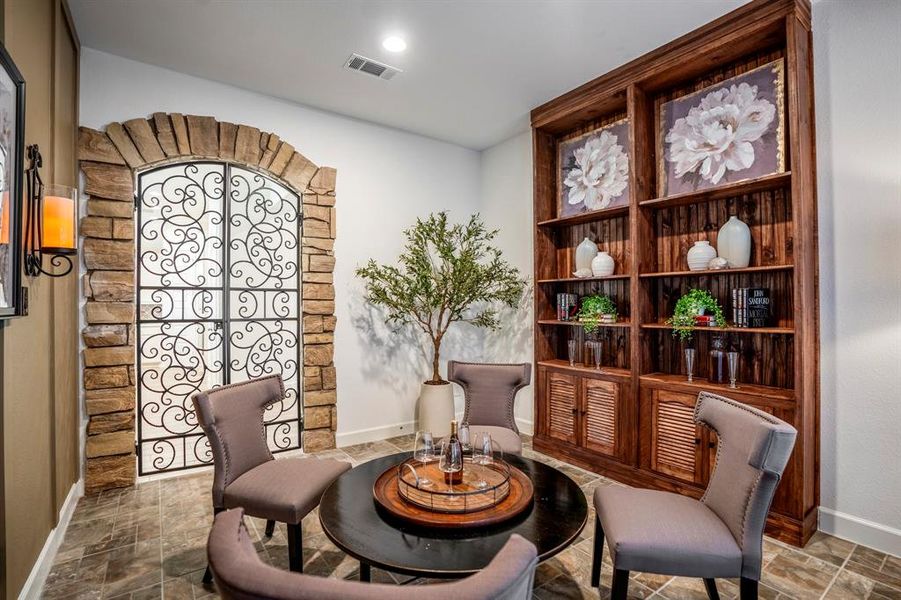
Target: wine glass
[598,355]
[463,436]
[424,452]
[451,460]
[481,449]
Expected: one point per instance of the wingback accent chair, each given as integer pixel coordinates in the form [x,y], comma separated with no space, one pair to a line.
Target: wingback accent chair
[241,575]
[490,392]
[245,472]
[720,535]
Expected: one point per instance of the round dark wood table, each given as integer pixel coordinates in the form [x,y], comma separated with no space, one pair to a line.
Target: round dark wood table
[354,522]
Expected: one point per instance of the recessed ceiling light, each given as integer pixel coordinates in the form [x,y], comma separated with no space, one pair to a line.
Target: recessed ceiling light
[392,43]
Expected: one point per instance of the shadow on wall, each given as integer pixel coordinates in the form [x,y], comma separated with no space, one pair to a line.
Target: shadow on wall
[513,341]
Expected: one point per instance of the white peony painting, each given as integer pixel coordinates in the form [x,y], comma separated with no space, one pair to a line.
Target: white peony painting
[725,133]
[594,170]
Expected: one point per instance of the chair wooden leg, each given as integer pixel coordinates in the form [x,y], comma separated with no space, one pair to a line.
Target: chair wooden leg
[208,574]
[710,584]
[748,589]
[295,547]
[365,572]
[270,528]
[619,589]
[598,555]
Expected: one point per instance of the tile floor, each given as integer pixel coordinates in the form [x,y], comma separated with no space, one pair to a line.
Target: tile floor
[149,542]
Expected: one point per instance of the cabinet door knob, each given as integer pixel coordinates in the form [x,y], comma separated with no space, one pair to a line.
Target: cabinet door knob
[697,441]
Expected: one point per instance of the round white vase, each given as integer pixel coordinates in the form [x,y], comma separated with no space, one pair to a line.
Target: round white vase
[436,408]
[585,253]
[734,243]
[602,265]
[699,255]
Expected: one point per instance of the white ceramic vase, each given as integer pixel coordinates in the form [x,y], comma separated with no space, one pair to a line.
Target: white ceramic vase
[602,265]
[734,243]
[585,253]
[436,408]
[699,255]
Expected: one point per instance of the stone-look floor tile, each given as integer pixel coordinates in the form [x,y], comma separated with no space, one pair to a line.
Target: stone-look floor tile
[887,574]
[564,588]
[829,548]
[369,450]
[867,557]
[884,592]
[403,442]
[692,588]
[849,586]
[652,581]
[132,568]
[798,579]
[86,533]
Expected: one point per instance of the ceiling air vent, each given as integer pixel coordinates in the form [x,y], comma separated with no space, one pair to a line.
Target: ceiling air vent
[371,67]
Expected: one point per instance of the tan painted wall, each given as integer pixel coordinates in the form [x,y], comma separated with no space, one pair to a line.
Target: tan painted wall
[40,359]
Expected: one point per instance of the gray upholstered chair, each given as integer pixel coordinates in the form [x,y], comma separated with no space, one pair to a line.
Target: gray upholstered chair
[720,535]
[245,472]
[241,575]
[490,391]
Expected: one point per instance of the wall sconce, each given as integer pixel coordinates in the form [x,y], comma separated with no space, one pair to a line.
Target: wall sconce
[50,221]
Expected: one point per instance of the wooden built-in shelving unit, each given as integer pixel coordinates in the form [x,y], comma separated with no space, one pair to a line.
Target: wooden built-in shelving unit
[616,421]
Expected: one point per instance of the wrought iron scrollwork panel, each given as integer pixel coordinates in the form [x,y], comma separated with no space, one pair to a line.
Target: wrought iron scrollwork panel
[219,302]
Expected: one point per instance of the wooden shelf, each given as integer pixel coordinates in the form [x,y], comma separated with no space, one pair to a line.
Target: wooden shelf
[587,217]
[610,372]
[749,186]
[775,330]
[578,324]
[707,272]
[580,279]
[680,383]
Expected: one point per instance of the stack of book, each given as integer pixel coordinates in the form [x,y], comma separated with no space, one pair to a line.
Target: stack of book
[567,307]
[705,321]
[751,307]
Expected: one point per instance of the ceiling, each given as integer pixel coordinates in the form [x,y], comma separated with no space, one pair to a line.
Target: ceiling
[472,70]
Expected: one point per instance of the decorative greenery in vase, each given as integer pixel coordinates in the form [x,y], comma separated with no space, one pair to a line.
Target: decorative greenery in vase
[694,303]
[447,273]
[593,308]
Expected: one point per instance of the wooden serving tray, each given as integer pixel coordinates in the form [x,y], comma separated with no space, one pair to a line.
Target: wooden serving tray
[518,499]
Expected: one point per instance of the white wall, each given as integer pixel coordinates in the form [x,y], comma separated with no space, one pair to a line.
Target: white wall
[506,198]
[857,59]
[386,178]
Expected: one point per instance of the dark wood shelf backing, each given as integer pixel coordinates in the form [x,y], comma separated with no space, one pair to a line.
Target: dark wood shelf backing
[764,330]
[585,279]
[578,324]
[587,217]
[706,272]
[739,188]
[612,373]
[674,382]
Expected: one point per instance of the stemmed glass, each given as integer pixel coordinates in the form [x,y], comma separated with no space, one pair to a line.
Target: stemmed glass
[463,436]
[482,453]
[424,452]
[732,361]
[571,349]
[451,460]
[598,348]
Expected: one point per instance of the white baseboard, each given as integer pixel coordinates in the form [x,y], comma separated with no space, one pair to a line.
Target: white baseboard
[867,533]
[374,434]
[34,585]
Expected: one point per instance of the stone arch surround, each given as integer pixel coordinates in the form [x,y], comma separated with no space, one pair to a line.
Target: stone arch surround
[109,161]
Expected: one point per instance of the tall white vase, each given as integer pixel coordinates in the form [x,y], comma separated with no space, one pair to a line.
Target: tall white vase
[734,243]
[585,253]
[436,408]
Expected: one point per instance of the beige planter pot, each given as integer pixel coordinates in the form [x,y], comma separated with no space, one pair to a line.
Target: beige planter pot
[436,408]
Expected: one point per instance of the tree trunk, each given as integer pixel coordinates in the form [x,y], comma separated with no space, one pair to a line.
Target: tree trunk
[436,374]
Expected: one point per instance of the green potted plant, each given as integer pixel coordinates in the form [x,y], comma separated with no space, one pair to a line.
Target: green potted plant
[690,305]
[596,310]
[447,273]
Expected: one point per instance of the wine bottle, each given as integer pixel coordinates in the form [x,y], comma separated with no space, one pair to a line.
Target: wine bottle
[452,458]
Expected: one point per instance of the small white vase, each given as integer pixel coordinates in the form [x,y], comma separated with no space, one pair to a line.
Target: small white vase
[734,243]
[436,408]
[585,253]
[699,255]
[602,265]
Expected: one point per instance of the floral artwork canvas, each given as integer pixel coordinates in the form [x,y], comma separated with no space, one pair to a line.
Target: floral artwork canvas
[728,132]
[594,170]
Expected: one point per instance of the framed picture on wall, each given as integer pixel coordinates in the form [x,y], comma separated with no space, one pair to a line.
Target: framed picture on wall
[724,133]
[12,144]
[594,170]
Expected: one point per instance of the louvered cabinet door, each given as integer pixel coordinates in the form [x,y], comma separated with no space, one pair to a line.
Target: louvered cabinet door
[675,439]
[561,396]
[599,415]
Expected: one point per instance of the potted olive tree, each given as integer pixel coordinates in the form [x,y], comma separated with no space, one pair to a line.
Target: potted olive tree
[447,273]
